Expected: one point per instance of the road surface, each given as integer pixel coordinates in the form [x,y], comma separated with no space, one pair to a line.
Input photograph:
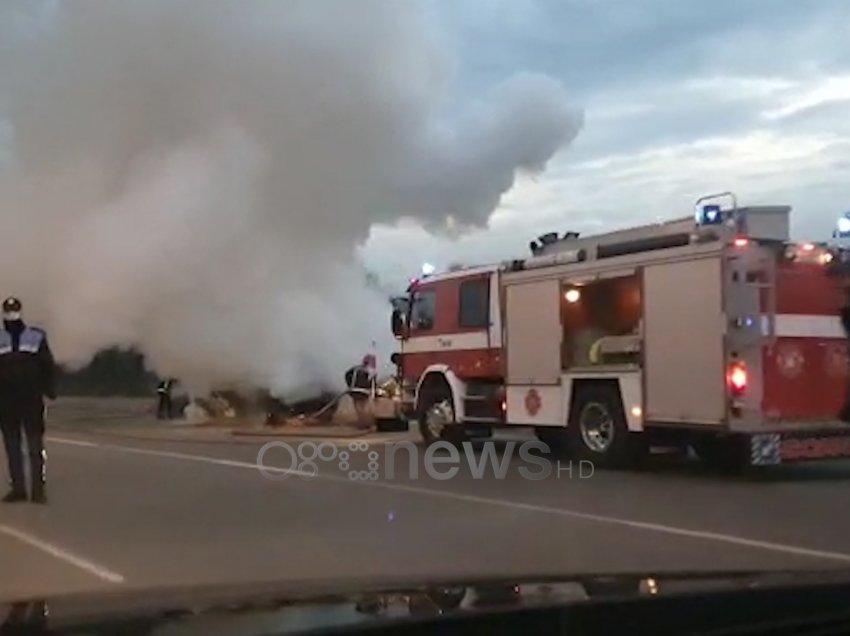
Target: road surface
[127,513]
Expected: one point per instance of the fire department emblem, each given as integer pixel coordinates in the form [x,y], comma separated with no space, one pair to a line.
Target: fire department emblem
[790,360]
[837,361]
[533,402]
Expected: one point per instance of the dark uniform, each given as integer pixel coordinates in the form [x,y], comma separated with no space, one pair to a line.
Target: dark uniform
[359,380]
[163,409]
[27,375]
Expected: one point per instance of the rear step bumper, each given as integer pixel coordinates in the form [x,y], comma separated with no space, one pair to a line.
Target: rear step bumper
[785,447]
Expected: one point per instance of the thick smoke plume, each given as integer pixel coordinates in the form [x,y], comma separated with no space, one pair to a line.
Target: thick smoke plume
[192,177]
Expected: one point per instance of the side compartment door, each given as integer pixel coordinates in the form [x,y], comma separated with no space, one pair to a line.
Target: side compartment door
[684,327]
[533,332]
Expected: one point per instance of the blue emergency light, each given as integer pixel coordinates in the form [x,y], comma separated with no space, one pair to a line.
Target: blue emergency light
[842,229]
[710,215]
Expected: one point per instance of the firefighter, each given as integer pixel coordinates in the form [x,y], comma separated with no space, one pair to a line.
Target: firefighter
[163,390]
[276,410]
[359,380]
[27,375]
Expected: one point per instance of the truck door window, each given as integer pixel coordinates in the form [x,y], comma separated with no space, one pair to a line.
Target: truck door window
[474,304]
[423,311]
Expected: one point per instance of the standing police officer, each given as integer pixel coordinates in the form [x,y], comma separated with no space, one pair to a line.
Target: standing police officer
[27,374]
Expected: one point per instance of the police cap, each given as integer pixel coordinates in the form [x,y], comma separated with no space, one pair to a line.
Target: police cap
[12,308]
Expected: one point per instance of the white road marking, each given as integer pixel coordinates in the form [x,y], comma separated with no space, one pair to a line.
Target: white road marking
[99,571]
[72,442]
[188,457]
[504,503]
[642,525]
[336,441]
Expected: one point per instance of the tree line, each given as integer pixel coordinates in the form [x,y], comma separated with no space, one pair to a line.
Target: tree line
[112,372]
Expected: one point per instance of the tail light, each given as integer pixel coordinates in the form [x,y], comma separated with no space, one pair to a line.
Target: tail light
[736,378]
[502,397]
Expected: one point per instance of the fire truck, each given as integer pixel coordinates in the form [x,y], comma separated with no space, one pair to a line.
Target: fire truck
[714,332]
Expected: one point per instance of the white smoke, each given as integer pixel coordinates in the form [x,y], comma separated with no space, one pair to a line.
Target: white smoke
[193,177]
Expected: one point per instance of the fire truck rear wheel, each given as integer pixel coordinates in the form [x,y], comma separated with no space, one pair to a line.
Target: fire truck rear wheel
[597,430]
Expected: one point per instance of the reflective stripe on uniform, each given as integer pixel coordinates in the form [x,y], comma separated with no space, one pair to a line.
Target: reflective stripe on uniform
[5,342]
[31,340]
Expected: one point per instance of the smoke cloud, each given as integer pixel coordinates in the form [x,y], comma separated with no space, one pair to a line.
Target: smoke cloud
[193,177]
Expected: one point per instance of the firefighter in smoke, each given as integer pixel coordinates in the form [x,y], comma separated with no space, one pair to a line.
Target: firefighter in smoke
[360,380]
[27,375]
[163,391]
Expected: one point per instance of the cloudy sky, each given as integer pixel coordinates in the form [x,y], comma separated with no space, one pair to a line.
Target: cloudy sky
[680,99]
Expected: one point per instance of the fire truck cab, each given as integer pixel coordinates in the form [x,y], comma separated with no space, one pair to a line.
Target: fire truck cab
[713,331]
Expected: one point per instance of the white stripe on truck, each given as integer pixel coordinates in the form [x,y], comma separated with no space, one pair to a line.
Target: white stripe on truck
[447,342]
[806,326]
[787,326]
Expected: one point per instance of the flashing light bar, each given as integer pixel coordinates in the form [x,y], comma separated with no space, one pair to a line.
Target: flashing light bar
[710,215]
[710,211]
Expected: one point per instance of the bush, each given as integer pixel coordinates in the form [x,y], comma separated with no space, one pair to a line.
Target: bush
[112,372]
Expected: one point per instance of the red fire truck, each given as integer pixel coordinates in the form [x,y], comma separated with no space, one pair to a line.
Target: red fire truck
[714,331]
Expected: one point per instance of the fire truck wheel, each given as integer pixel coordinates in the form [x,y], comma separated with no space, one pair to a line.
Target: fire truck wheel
[597,430]
[436,415]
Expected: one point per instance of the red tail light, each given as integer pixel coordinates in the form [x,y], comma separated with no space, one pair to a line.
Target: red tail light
[737,378]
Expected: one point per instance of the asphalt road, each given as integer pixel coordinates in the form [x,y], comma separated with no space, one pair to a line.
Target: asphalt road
[127,514]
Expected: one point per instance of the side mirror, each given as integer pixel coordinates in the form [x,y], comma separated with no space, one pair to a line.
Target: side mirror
[395,359]
[398,323]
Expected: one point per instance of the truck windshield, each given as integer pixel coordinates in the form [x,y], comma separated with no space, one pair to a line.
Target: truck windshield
[423,311]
